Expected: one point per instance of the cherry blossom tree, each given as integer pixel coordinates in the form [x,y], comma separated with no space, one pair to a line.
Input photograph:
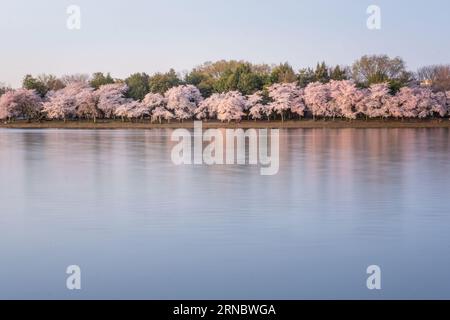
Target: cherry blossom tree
[393,107]
[138,110]
[21,103]
[425,102]
[437,103]
[345,98]
[231,106]
[59,105]
[255,106]
[155,106]
[86,104]
[299,105]
[225,106]
[417,102]
[110,97]
[75,100]
[183,101]
[407,101]
[375,102]
[258,111]
[124,110]
[286,97]
[160,113]
[317,98]
[207,109]
[8,106]
[254,99]
[132,109]
[152,101]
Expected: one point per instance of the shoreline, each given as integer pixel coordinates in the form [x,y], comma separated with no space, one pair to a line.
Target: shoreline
[293,124]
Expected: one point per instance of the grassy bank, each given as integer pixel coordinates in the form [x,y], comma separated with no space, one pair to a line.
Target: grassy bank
[112,124]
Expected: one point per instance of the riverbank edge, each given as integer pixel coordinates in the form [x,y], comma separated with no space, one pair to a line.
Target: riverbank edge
[297,124]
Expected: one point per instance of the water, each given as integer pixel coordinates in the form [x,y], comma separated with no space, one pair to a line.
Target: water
[140,227]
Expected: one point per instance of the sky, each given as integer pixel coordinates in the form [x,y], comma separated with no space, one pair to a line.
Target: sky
[123,37]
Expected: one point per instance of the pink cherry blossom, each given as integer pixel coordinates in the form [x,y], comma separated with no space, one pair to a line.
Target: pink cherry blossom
[20,103]
[86,104]
[255,106]
[110,97]
[183,101]
[317,98]
[207,109]
[230,106]
[286,97]
[375,102]
[345,98]
[161,113]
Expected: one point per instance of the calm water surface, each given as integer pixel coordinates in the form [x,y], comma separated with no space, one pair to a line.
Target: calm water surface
[113,203]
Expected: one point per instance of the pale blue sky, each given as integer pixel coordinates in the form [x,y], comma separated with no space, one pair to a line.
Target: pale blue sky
[123,37]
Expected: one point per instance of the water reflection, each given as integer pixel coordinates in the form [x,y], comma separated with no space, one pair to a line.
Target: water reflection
[141,227]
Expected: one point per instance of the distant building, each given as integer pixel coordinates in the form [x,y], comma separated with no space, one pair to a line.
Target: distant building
[426,83]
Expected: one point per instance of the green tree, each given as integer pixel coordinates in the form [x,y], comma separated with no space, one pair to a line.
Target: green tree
[3,89]
[321,73]
[338,73]
[243,79]
[373,69]
[99,79]
[217,69]
[283,73]
[305,77]
[225,75]
[161,82]
[204,82]
[138,86]
[31,83]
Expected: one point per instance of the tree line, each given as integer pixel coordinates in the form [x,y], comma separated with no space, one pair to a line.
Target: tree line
[373,87]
